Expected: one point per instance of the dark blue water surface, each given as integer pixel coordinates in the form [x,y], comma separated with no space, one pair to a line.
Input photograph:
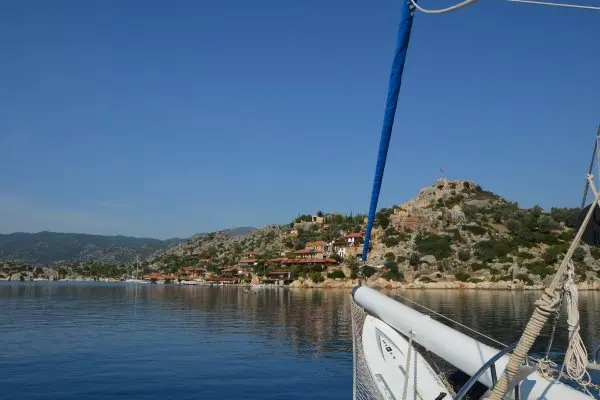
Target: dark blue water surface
[125,341]
[118,341]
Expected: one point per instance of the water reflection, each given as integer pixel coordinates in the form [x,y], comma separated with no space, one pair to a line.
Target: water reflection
[313,322]
[504,314]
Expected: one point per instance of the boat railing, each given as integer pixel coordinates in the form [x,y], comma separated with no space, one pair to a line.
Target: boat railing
[491,365]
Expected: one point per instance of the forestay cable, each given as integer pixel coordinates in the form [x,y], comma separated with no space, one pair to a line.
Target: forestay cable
[546,3]
[443,10]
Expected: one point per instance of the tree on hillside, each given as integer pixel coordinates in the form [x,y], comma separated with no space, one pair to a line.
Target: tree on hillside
[568,216]
[382,218]
[367,271]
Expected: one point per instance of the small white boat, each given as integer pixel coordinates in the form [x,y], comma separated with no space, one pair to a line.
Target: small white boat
[259,286]
[134,280]
[189,283]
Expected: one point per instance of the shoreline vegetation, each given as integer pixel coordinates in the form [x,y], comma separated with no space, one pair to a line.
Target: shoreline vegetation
[452,235]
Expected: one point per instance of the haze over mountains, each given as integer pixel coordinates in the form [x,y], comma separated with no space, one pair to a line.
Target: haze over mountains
[49,247]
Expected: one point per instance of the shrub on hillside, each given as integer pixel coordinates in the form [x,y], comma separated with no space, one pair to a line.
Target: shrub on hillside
[394,274]
[539,268]
[390,264]
[392,271]
[462,276]
[475,229]
[443,265]
[382,218]
[464,255]
[391,231]
[456,236]
[545,224]
[478,266]
[525,255]
[336,257]
[368,271]
[336,274]
[391,241]
[566,235]
[414,259]
[488,250]
[316,277]
[435,245]
[525,278]
[568,216]
[550,256]
[303,218]
[579,254]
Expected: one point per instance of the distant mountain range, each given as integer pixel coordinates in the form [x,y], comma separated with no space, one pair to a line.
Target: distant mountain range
[50,247]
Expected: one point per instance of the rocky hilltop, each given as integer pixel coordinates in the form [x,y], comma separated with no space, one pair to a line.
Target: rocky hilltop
[452,233]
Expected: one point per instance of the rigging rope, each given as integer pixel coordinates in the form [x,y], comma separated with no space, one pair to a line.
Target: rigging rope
[455,7]
[451,320]
[406,374]
[594,153]
[546,3]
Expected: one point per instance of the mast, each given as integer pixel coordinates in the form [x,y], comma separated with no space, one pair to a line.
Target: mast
[404,30]
[137,270]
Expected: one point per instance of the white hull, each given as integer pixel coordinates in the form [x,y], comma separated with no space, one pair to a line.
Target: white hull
[460,350]
[188,283]
[386,353]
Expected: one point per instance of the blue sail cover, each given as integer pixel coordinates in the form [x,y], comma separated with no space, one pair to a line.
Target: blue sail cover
[390,113]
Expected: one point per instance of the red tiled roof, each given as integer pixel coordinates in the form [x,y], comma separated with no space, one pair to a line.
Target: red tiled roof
[314,261]
[318,243]
[229,269]
[191,269]
[304,251]
[248,260]
[222,279]
[355,235]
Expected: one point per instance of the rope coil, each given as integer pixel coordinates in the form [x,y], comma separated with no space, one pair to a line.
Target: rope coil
[576,357]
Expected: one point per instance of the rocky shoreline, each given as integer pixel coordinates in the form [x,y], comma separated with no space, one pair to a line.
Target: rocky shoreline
[350,283]
[395,285]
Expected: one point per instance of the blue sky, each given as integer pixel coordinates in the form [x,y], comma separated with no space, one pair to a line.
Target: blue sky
[165,119]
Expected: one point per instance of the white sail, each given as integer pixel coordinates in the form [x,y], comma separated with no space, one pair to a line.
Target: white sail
[460,350]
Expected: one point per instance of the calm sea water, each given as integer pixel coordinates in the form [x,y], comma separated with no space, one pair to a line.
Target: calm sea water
[121,341]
